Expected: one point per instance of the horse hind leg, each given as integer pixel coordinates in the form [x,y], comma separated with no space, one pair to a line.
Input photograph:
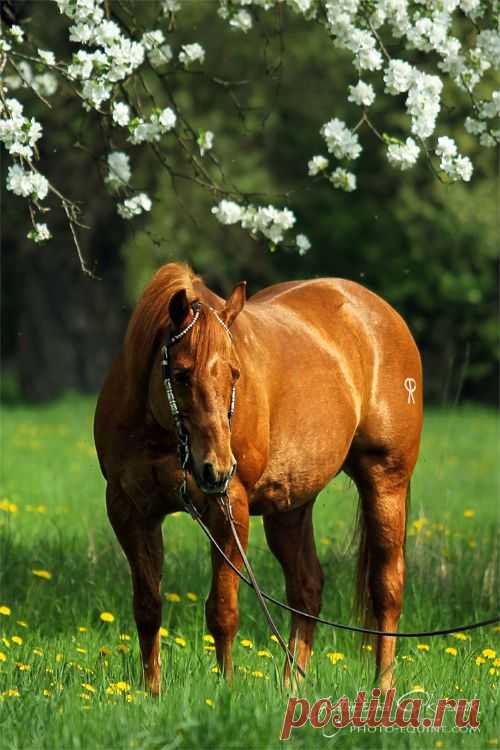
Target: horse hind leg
[383,485]
[290,537]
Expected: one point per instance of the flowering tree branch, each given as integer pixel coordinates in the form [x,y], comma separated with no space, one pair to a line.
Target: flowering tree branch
[114,60]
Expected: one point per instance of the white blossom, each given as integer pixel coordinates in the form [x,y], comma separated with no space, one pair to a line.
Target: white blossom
[316,165]
[340,140]
[205,141]
[241,20]
[121,113]
[398,77]
[26,183]
[39,233]
[191,53]
[228,212]
[119,169]
[403,155]
[361,94]
[159,56]
[17,33]
[134,206]
[47,56]
[343,179]
[303,244]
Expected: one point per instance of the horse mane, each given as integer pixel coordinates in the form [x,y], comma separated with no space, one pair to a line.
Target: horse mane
[149,318]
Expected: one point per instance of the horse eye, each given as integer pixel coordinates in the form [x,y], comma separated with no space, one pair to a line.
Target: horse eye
[182,377]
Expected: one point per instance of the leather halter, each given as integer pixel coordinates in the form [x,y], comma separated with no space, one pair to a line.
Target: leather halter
[183,447]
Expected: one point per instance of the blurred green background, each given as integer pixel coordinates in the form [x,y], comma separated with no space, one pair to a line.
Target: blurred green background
[430,249]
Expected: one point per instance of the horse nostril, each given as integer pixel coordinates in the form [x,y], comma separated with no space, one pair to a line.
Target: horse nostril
[209,474]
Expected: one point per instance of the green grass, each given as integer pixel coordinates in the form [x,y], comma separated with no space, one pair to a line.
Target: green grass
[52,518]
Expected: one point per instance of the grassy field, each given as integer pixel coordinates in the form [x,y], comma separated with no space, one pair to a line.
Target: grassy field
[69,680]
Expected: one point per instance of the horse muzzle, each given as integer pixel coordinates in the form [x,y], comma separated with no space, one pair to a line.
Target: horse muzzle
[212,482]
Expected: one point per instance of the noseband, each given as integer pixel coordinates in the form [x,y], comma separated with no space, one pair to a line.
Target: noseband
[183,447]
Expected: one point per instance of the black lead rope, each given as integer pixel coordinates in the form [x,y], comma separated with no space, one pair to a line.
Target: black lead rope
[341,626]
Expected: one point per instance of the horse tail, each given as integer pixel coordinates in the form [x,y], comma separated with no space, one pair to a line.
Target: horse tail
[362,601]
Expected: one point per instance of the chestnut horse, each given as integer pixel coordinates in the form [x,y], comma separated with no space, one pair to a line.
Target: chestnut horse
[328,379]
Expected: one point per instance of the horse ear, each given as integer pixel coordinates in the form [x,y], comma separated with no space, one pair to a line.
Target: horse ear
[179,308]
[234,304]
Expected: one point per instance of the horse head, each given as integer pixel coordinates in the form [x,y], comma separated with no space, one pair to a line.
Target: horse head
[203,368]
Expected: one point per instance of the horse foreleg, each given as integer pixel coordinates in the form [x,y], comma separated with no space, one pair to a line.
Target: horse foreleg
[141,540]
[221,608]
[291,539]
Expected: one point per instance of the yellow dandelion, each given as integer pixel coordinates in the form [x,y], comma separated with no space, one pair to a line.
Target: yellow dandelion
[257,673]
[324,540]
[480,660]
[81,650]
[46,693]
[246,643]
[172,597]
[180,641]
[418,689]
[4,610]
[38,652]
[210,702]
[3,657]
[265,653]
[208,648]
[335,656]
[59,657]
[17,639]
[489,653]
[22,667]
[105,651]
[6,642]
[423,647]
[496,662]
[469,513]
[274,638]
[208,638]
[12,693]
[215,669]
[406,657]
[461,636]
[192,596]
[450,650]
[164,632]
[41,509]
[492,670]
[439,743]
[83,629]
[46,574]
[107,617]
[85,696]
[367,647]
[122,648]
[129,698]
[89,687]
[7,506]
[121,686]
[420,523]
[126,637]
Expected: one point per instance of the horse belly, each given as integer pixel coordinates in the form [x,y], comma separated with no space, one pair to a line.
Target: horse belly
[309,441]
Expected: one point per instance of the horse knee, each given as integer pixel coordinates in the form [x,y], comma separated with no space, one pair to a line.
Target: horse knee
[147,611]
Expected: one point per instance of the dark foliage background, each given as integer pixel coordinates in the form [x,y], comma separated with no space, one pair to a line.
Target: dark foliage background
[430,249]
